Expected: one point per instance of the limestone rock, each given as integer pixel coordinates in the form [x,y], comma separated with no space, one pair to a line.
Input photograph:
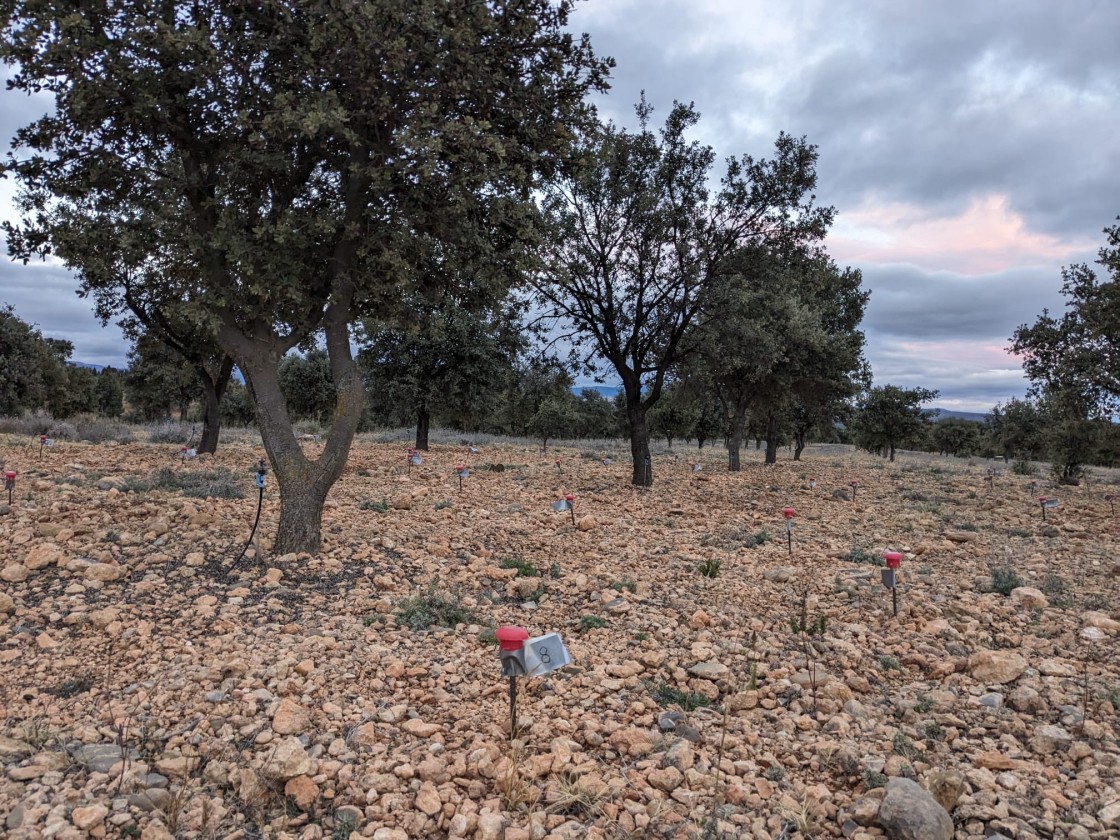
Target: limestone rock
[909,812]
[946,786]
[1029,598]
[288,760]
[996,666]
[290,718]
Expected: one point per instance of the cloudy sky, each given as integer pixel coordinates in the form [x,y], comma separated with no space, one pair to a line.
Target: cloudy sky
[969,148]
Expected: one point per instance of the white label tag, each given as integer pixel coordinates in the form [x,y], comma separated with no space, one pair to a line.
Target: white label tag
[561,506]
[544,654]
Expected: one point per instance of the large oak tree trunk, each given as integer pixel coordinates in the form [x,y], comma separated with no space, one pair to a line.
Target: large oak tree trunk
[212,392]
[771,440]
[639,446]
[423,421]
[303,483]
[735,439]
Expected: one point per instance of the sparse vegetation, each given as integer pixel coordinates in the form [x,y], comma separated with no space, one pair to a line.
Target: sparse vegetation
[669,695]
[709,567]
[524,567]
[376,507]
[862,555]
[1005,579]
[432,609]
[590,622]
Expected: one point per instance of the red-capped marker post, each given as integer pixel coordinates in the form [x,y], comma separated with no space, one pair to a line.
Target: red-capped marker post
[1111,499]
[853,485]
[894,563]
[9,483]
[571,500]
[511,641]
[461,471]
[42,443]
[789,513]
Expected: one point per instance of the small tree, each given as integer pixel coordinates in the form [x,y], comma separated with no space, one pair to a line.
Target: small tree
[889,415]
[634,240]
[555,417]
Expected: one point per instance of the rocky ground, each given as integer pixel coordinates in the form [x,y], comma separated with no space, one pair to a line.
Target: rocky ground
[152,689]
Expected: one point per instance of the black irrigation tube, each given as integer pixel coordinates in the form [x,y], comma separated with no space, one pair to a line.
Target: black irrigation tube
[257,519]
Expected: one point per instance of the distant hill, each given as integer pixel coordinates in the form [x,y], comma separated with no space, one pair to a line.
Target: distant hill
[946,413]
[97,368]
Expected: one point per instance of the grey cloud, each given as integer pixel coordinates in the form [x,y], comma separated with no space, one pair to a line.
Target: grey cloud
[44,295]
[908,302]
[933,105]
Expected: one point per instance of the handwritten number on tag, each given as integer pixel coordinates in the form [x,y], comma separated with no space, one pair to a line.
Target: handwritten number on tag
[542,651]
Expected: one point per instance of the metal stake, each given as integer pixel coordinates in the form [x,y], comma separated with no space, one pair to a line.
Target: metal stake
[512,707]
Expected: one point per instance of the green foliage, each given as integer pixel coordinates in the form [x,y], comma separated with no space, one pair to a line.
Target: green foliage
[33,371]
[862,555]
[889,663]
[431,609]
[925,704]
[709,567]
[903,746]
[1005,579]
[1076,353]
[590,622]
[625,584]
[775,773]
[669,695]
[1023,467]
[376,507]
[760,537]
[523,566]
[554,416]
[873,779]
[888,416]
[307,386]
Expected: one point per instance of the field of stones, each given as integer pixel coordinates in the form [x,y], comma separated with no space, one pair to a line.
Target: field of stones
[727,681]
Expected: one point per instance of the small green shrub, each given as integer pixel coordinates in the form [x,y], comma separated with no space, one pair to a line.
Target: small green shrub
[376,507]
[554,571]
[760,537]
[709,568]
[862,555]
[874,779]
[590,622]
[903,746]
[73,687]
[924,704]
[934,732]
[443,504]
[1020,533]
[1005,579]
[216,483]
[889,663]
[624,584]
[669,695]
[775,773]
[1024,467]
[523,566]
[432,610]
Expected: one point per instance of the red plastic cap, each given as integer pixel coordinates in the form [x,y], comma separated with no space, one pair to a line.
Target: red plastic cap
[511,637]
[788,513]
[569,497]
[458,468]
[893,558]
[43,438]
[853,483]
[9,474]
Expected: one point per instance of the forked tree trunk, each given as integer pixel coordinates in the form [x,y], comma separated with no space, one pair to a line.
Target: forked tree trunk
[423,421]
[799,444]
[303,483]
[212,392]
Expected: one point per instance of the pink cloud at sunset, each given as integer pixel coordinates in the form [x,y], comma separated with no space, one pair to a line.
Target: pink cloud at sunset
[987,237]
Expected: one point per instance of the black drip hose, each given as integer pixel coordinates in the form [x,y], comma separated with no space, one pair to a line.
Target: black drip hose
[257,519]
